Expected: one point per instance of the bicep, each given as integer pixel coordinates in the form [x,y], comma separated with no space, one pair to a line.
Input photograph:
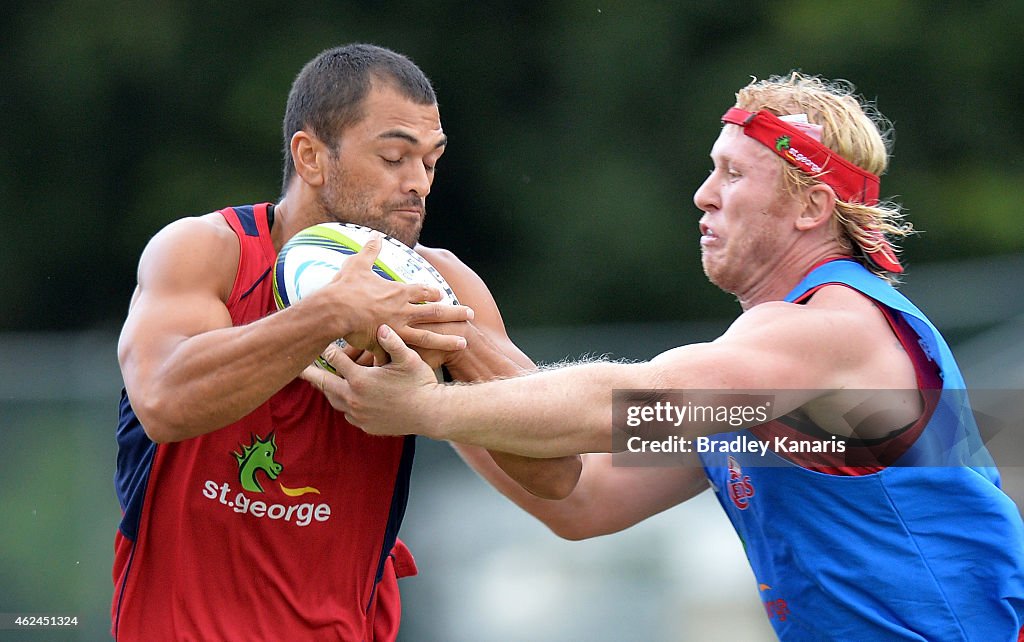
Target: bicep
[776,346]
[788,352]
[180,294]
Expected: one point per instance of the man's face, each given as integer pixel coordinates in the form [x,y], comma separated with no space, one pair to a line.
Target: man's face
[383,167]
[747,224]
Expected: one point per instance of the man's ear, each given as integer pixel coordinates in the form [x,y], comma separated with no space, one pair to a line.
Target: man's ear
[309,154]
[819,202]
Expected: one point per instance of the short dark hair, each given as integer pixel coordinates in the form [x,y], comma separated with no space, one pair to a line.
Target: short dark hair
[327,95]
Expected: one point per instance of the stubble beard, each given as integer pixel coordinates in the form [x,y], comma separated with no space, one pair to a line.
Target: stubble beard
[346,203]
[732,269]
[718,275]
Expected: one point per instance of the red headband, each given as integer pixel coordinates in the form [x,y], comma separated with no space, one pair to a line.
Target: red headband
[851,183]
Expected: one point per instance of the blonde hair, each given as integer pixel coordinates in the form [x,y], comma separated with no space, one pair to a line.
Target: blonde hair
[856,131]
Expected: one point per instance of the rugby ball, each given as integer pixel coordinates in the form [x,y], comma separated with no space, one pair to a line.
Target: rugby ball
[311,258]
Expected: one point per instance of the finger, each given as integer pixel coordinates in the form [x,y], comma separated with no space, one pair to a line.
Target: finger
[440,313]
[367,255]
[401,354]
[341,399]
[381,359]
[353,352]
[342,363]
[419,293]
[425,339]
[317,377]
[366,358]
[312,375]
[331,350]
[360,356]
[340,392]
[380,356]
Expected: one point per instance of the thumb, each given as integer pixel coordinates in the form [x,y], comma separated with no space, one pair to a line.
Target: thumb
[366,256]
[401,354]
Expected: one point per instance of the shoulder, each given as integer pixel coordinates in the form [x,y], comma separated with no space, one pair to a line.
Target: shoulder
[839,338]
[839,329]
[834,312]
[466,283]
[442,259]
[192,251]
[206,230]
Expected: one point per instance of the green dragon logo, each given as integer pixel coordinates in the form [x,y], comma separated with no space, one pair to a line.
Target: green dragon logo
[782,143]
[257,456]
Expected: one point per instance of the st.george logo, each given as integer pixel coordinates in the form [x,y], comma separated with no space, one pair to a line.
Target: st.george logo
[256,457]
[257,463]
[784,145]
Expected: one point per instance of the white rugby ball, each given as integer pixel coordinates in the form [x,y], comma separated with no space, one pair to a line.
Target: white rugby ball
[311,258]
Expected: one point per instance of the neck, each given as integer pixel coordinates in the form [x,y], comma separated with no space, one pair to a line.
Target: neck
[783,275]
[293,213]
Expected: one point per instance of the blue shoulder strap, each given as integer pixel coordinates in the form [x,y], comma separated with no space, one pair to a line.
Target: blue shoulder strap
[855,275]
[954,438]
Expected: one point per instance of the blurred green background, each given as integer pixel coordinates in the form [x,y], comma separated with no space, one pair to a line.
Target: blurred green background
[578,132]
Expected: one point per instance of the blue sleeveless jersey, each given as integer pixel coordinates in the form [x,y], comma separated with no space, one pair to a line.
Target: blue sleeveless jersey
[926,548]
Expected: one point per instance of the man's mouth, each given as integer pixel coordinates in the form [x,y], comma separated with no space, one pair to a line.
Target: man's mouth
[707,235]
[409,208]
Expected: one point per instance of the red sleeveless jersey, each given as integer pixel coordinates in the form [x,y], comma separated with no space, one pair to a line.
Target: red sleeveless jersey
[280,526]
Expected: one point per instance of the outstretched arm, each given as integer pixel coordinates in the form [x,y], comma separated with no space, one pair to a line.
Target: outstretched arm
[549,413]
[790,351]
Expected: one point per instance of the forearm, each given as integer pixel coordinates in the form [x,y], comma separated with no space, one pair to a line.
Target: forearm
[559,412]
[608,498]
[552,478]
[554,514]
[478,365]
[214,378]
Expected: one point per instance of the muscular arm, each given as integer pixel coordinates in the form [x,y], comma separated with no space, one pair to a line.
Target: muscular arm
[187,371]
[801,352]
